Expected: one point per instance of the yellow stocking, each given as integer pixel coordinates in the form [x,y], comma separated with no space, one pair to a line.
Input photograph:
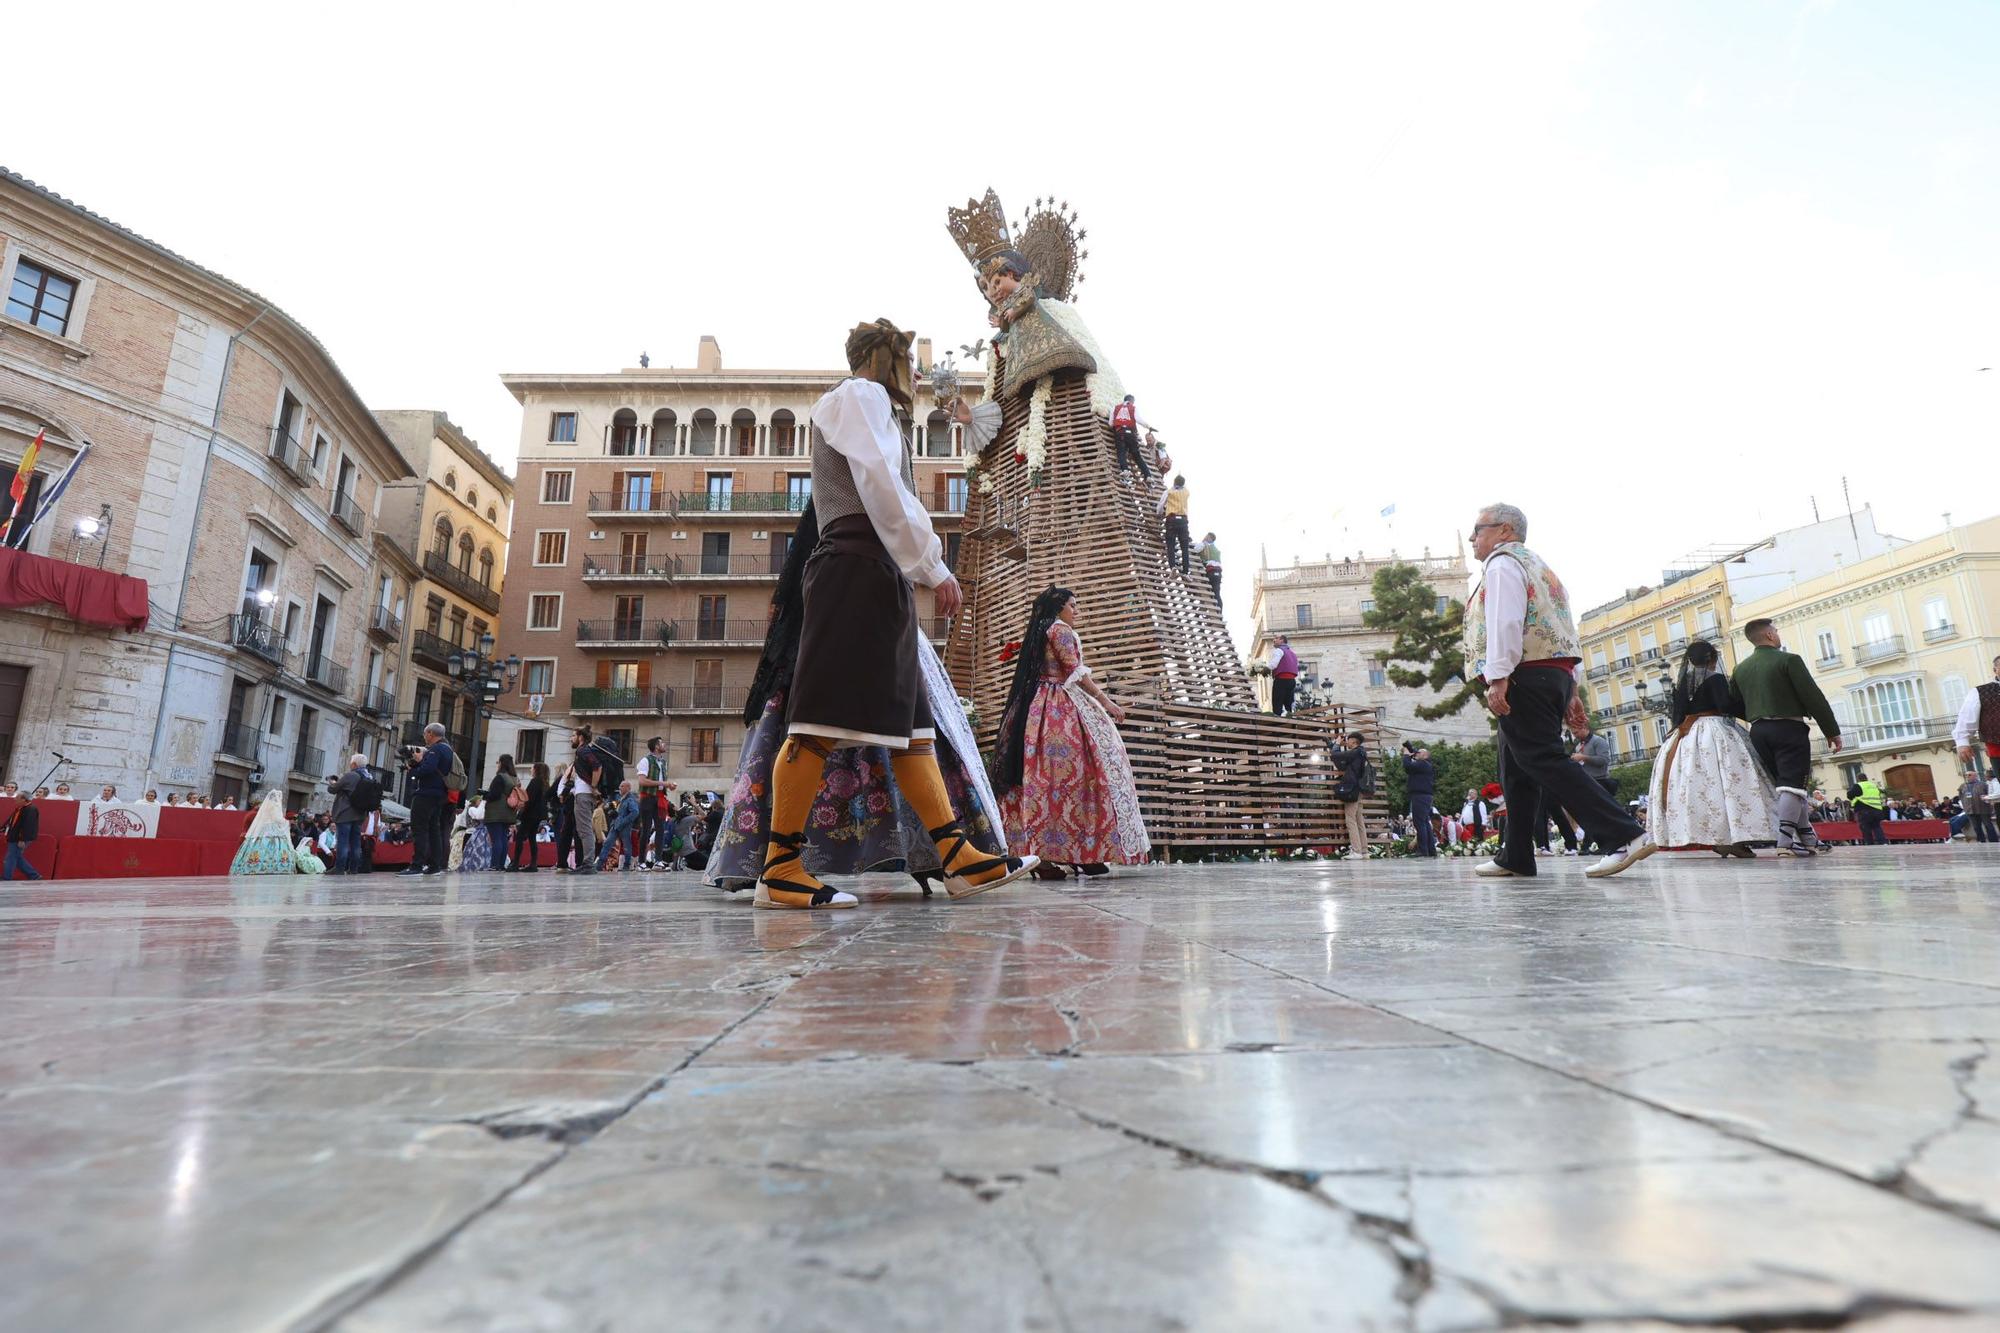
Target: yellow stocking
[795,781]
[922,785]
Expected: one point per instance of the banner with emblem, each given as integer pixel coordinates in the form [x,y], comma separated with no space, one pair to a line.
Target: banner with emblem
[116,819]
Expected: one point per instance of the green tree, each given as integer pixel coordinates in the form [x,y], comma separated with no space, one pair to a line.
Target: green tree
[1425,636]
[1457,767]
[1634,780]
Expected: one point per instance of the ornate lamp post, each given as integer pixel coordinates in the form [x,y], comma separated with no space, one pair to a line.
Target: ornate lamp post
[1659,703]
[482,678]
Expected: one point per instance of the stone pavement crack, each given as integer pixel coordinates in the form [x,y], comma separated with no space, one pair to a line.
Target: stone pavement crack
[1963,1071]
[587,1126]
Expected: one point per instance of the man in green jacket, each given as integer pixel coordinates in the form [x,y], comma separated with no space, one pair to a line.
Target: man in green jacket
[1773,689]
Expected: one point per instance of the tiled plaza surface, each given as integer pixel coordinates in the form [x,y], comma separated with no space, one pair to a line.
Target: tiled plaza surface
[1385,1095]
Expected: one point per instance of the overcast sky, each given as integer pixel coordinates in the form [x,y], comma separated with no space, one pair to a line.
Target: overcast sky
[1660,274]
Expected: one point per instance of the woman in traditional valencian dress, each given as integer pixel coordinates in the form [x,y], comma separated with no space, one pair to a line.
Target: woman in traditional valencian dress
[267,843]
[858,821]
[1066,788]
[1708,788]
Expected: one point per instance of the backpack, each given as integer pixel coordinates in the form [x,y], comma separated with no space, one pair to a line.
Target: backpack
[610,770]
[455,780]
[1367,786]
[367,796]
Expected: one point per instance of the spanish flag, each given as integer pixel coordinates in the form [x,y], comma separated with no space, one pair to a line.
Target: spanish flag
[23,471]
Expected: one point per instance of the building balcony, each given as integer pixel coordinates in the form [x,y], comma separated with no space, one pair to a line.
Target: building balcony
[648,701]
[1598,672]
[326,673]
[385,625]
[724,699]
[1622,664]
[946,506]
[1903,735]
[716,634]
[347,513]
[938,628]
[1829,662]
[629,569]
[706,568]
[1866,654]
[378,703]
[1939,633]
[738,504]
[646,503]
[291,457]
[1649,655]
[432,650]
[1629,708]
[440,570]
[242,740]
[1676,646]
[624,633]
[258,636]
[309,760]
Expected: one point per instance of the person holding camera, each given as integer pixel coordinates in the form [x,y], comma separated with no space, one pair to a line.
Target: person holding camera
[1420,776]
[428,765]
[1350,764]
[355,796]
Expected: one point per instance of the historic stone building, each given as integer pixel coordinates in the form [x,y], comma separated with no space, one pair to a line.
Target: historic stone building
[1319,604]
[654,508]
[232,467]
[452,520]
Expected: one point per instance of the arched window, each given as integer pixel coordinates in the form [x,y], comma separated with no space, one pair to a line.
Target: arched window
[441,539]
[451,481]
[486,567]
[472,497]
[465,553]
[492,514]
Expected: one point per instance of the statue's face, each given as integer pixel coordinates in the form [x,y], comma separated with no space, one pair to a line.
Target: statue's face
[1001,283]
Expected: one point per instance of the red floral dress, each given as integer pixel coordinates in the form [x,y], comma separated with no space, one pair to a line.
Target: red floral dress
[1077,803]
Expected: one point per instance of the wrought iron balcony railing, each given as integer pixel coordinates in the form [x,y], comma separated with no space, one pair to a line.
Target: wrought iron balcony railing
[309,759]
[763,565]
[378,702]
[646,501]
[630,569]
[740,502]
[652,700]
[441,570]
[290,455]
[323,671]
[615,633]
[1939,633]
[436,649]
[699,633]
[347,513]
[1880,650]
[386,623]
[242,740]
[257,635]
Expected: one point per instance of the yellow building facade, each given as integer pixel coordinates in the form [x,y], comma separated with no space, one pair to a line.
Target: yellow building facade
[1632,648]
[1896,642]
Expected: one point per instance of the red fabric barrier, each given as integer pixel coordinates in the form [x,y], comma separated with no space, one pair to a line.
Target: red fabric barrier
[213,858]
[42,856]
[178,821]
[92,596]
[396,854]
[1895,830]
[126,858]
[58,817]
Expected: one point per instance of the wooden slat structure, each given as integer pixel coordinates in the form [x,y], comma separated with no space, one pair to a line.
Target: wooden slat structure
[1211,770]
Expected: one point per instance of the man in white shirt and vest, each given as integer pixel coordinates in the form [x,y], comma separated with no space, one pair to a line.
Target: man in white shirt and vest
[1522,644]
[1979,719]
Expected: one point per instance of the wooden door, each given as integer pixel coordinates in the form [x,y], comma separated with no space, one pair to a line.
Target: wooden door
[1911,781]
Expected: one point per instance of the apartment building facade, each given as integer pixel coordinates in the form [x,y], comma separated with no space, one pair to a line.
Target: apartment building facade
[1318,605]
[654,510]
[1896,642]
[232,468]
[452,520]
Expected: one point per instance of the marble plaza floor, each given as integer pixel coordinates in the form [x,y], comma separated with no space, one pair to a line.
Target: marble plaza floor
[1384,1095]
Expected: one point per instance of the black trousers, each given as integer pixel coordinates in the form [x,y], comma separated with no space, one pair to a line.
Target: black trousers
[1784,748]
[1128,447]
[427,832]
[1871,821]
[1283,689]
[1420,813]
[1563,826]
[1535,767]
[649,823]
[1177,540]
[1215,583]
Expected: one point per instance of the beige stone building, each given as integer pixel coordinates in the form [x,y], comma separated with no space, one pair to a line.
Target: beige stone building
[654,508]
[1319,605]
[452,520]
[1896,642]
[232,467]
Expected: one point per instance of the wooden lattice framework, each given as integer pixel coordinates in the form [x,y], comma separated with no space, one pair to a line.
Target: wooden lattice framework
[1211,770]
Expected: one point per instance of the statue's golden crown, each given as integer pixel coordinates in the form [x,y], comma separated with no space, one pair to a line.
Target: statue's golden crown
[980,229]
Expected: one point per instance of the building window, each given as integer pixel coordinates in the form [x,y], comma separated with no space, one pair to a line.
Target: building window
[1660,729]
[538,676]
[1891,709]
[552,546]
[1875,629]
[953,543]
[715,553]
[1828,649]
[1951,693]
[1634,738]
[486,568]
[1649,642]
[472,497]
[1367,605]
[1304,615]
[1596,657]
[42,297]
[492,515]
[798,491]
[1705,619]
[1443,604]
[441,539]
[1377,678]
[556,486]
[1676,631]
[545,610]
[451,480]
[1937,614]
[465,553]
[955,494]
[457,629]
[712,616]
[705,745]
[721,490]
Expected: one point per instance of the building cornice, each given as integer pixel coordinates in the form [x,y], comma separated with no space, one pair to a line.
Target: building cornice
[1911,577]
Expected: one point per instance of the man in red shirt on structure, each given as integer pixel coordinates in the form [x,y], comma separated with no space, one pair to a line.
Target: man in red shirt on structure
[1125,430]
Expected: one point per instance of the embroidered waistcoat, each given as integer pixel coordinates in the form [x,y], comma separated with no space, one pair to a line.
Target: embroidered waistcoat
[1549,633]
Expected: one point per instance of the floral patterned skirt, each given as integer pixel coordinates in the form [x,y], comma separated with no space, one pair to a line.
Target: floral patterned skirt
[1077,803]
[1709,790]
[268,855]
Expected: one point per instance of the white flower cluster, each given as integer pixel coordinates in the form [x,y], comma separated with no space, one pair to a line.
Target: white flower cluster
[1035,436]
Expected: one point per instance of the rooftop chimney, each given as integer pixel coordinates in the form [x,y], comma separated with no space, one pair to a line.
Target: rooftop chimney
[709,355]
[923,356]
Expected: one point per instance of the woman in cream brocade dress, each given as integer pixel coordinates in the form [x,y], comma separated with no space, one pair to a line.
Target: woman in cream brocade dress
[1708,788]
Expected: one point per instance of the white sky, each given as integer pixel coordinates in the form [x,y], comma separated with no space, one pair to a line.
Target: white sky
[1660,274]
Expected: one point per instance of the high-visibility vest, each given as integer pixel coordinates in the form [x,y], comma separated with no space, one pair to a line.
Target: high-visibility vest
[1871,795]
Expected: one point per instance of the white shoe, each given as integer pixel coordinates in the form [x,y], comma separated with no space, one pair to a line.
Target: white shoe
[763,898]
[1494,870]
[1624,858]
[1569,851]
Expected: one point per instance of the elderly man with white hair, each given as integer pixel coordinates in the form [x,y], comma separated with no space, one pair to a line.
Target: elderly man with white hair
[355,795]
[1521,643]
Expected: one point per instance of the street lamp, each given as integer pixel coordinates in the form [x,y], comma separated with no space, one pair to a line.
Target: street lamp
[482,678]
[93,528]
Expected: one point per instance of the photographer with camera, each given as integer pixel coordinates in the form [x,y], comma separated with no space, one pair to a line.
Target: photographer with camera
[429,766]
[1421,777]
